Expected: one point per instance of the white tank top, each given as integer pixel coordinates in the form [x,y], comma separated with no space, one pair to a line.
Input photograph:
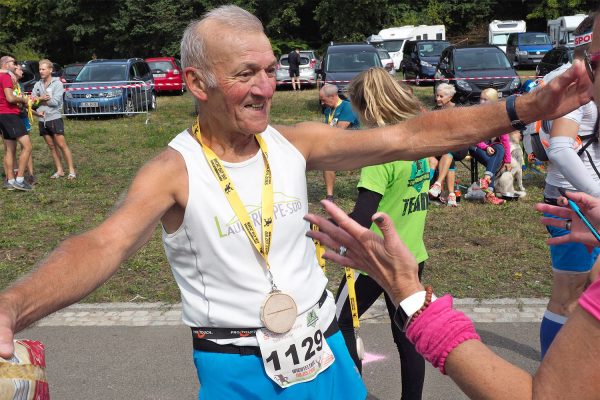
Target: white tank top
[220,275]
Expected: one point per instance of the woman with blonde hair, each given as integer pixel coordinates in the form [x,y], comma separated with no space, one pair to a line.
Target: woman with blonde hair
[398,188]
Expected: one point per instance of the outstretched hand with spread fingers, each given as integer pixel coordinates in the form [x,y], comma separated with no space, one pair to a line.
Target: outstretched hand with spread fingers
[387,260]
[589,206]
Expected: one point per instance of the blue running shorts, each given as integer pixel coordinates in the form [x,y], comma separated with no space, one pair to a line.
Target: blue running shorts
[570,257]
[233,376]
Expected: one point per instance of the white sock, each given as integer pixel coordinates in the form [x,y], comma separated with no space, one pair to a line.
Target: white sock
[11,181]
[20,179]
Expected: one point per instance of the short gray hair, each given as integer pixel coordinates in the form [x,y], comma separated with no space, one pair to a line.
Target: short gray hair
[450,90]
[4,60]
[329,90]
[193,44]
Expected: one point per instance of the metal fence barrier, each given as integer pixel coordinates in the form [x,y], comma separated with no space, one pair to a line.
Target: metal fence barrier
[108,98]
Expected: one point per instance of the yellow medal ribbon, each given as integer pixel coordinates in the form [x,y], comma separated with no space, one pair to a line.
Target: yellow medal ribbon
[352,297]
[333,111]
[30,110]
[236,203]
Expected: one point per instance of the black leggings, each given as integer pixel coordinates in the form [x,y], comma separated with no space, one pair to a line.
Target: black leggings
[411,363]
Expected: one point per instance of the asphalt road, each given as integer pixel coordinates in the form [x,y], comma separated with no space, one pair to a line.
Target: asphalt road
[154,362]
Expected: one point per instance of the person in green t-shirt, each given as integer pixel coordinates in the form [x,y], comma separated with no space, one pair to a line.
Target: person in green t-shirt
[400,189]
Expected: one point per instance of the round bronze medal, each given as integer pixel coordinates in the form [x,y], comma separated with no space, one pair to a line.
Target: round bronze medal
[279,312]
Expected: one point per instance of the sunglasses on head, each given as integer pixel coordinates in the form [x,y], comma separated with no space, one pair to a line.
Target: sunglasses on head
[591,62]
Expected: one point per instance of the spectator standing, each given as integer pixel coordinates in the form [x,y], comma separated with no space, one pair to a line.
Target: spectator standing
[50,91]
[18,91]
[13,129]
[573,168]
[294,64]
[338,113]
[398,188]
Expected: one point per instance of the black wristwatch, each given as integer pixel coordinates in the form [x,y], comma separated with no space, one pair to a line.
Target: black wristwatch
[407,308]
[512,113]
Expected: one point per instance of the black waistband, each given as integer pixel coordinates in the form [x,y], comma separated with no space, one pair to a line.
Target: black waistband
[234,333]
[212,347]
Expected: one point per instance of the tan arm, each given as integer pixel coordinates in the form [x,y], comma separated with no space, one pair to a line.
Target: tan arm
[82,263]
[12,99]
[436,132]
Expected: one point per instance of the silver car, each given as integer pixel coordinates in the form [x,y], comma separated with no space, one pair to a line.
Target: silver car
[386,61]
[308,66]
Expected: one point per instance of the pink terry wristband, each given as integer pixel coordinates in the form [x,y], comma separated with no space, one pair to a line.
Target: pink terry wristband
[438,330]
[590,299]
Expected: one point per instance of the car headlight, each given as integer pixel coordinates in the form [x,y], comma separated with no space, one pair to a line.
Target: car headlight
[68,94]
[464,85]
[515,83]
[521,52]
[426,64]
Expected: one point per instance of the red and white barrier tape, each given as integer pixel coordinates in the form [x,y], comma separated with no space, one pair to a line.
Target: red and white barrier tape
[453,79]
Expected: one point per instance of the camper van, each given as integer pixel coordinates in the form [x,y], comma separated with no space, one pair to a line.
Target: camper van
[561,29]
[394,38]
[498,32]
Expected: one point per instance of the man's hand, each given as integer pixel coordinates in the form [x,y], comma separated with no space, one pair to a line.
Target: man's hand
[7,347]
[589,206]
[562,95]
[490,151]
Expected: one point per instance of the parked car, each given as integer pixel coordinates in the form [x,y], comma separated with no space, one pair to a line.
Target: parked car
[553,59]
[111,87]
[486,63]
[342,62]
[70,72]
[31,74]
[386,61]
[420,57]
[167,73]
[308,67]
[527,48]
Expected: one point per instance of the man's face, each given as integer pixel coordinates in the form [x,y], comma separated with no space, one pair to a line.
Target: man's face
[18,72]
[244,67]
[10,65]
[45,71]
[442,98]
[328,101]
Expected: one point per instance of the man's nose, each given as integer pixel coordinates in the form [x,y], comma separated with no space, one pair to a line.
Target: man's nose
[264,85]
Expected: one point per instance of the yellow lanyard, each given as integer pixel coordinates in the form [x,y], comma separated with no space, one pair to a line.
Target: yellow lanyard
[352,296]
[333,111]
[236,203]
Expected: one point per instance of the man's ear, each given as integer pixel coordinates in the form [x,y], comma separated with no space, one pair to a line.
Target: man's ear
[194,84]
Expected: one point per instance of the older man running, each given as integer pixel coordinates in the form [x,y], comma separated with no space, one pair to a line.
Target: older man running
[230,193]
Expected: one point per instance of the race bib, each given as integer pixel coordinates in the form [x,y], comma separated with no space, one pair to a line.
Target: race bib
[298,355]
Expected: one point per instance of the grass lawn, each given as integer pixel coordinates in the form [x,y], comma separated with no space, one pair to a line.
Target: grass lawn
[475,250]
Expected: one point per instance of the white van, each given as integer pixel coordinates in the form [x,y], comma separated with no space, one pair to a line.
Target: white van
[498,31]
[561,29]
[393,39]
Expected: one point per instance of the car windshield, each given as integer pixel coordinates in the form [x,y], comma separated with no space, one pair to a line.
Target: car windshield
[533,39]
[162,66]
[384,55]
[392,45]
[432,49]
[102,73]
[352,62]
[285,63]
[480,59]
[73,70]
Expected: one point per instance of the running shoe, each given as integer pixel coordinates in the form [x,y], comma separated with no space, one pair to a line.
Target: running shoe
[7,186]
[24,186]
[484,183]
[451,200]
[435,190]
[491,198]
